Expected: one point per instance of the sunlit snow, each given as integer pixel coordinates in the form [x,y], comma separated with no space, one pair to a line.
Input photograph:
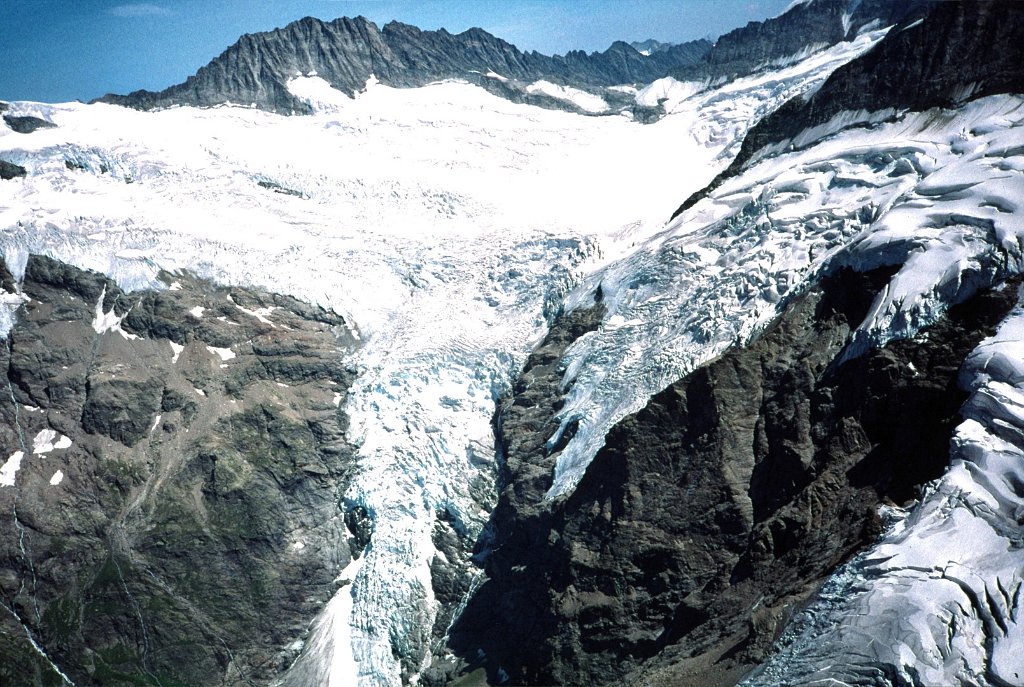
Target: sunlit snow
[10,468]
[449,227]
[176,350]
[224,354]
[587,102]
[46,441]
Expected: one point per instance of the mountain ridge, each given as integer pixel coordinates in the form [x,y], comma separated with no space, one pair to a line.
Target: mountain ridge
[794,343]
[347,52]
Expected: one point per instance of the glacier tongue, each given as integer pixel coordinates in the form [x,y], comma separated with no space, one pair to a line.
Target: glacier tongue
[448,226]
[444,223]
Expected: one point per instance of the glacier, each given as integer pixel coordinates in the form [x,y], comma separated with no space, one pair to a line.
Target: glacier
[450,227]
[939,597]
[862,198]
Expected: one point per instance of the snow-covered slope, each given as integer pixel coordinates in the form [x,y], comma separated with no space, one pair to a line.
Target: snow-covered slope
[943,587]
[449,226]
[445,223]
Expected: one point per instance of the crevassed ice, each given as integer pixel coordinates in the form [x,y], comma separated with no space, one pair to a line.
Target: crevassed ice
[938,599]
[447,225]
[925,192]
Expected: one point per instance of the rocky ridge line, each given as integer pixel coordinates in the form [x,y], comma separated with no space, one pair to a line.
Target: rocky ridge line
[806,26]
[346,52]
[959,51]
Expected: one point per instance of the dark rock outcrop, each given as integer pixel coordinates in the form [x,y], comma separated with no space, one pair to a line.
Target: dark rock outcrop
[345,52]
[959,52]
[714,512]
[818,23]
[9,170]
[185,521]
[26,124]
[650,46]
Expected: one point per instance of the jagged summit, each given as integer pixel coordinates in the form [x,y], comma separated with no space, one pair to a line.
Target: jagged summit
[346,52]
[650,46]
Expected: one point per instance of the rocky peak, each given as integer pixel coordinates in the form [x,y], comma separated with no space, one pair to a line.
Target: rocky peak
[650,46]
[346,52]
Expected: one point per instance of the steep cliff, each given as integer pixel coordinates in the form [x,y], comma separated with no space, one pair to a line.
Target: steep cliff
[172,507]
[715,511]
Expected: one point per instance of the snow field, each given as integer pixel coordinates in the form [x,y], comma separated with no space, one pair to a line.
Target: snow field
[448,226]
[444,223]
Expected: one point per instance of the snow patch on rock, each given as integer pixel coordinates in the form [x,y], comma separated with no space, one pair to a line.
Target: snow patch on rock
[44,442]
[588,102]
[316,92]
[10,468]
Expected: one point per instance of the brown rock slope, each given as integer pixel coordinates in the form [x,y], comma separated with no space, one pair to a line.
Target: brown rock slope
[715,511]
[195,526]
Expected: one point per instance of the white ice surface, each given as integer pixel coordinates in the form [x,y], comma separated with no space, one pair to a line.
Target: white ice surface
[588,102]
[10,468]
[939,598]
[447,226]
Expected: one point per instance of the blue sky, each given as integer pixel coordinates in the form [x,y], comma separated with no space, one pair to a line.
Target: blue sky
[60,50]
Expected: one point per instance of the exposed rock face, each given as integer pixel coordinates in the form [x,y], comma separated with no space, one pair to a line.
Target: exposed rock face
[650,46]
[959,52]
[926,64]
[9,170]
[715,511]
[345,52]
[27,124]
[814,24]
[175,518]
